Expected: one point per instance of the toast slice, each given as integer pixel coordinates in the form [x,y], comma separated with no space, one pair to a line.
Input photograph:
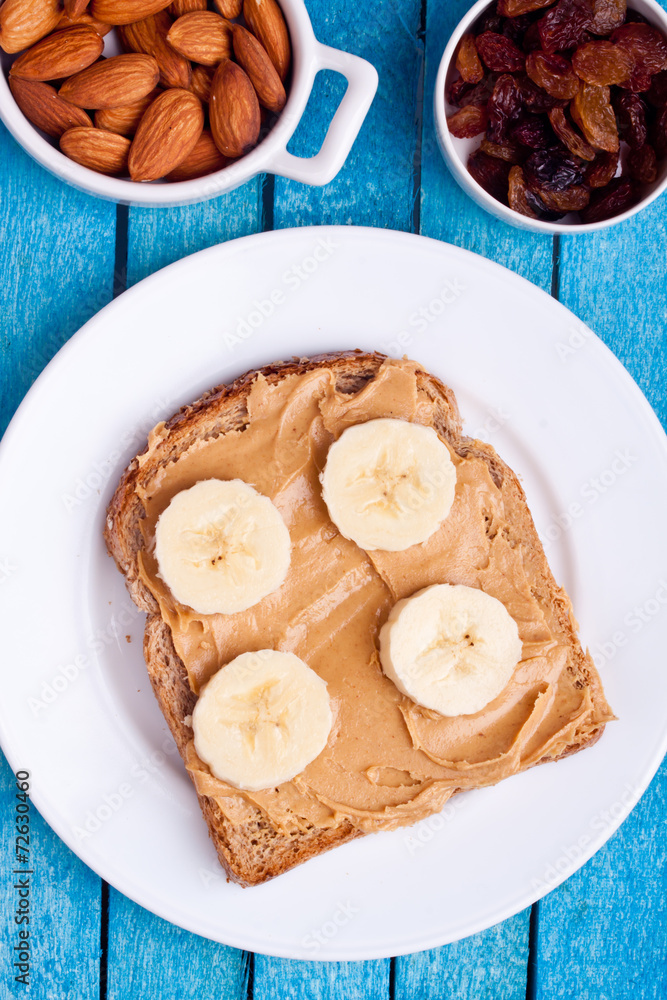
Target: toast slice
[251,844]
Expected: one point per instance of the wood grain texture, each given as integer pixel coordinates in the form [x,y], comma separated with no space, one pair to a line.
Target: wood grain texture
[58,261]
[447,213]
[602,933]
[168,961]
[64,909]
[487,966]
[376,185]
[159,236]
[281,979]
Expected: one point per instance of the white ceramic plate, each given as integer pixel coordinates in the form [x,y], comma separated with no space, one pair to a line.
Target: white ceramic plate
[77,709]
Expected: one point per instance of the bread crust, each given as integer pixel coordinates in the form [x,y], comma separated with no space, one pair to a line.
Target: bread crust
[255,851]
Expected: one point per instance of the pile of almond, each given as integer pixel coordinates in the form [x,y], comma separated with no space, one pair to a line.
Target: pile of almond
[195,89]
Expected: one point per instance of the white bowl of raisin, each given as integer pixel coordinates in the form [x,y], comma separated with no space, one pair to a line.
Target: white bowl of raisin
[552,114]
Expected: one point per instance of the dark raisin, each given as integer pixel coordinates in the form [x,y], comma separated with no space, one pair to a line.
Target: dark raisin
[490,173]
[456,91]
[532,131]
[631,118]
[531,39]
[500,54]
[602,170]
[488,22]
[643,164]
[658,132]
[515,28]
[504,107]
[615,198]
[552,170]
[565,25]
[657,93]
[515,8]
[517,192]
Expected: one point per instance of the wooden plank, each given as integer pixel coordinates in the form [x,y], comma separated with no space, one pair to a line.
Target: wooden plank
[280,979]
[159,236]
[168,961]
[486,966]
[58,261]
[614,281]
[64,909]
[602,933]
[376,185]
[447,213]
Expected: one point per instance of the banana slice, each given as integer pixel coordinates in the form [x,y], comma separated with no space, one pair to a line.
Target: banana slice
[221,546]
[450,648]
[388,483]
[261,719]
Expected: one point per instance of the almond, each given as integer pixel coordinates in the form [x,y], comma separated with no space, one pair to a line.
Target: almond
[180,7]
[60,54]
[229,8]
[233,110]
[265,20]
[125,11]
[202,78]
[253,57]
[204,159]
[150,36]
[66,21]
[42,105]
[167,134]
[125,119]
[112,82]
[24,22]
[74,8]
[102,151]
[203,36]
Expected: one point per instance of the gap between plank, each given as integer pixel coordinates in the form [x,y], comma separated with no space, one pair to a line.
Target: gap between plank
[419,122]
[533,933]
[555,267]
[268,191]
[392,979]
[104,939]
[120,259]
[250,958]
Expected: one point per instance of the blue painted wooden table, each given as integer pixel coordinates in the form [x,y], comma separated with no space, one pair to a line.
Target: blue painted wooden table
[65,255]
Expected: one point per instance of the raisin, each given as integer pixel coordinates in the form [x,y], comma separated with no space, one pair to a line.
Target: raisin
[467,61]
[500,54]
[515,28]
[552,170]
[602,170]
[533,131]
[504,107]
[659,132]
[508,151]
[643,164]
[468,122]
[536,99]
[657,93]
[567,135]
[631,119]
[565,25]
[607,15]
[517,194]
[615,198]
[531,39]
[552,73]
[479,93]
[572,199]
[489,22]
[456,91]
[594,115]
[647,48]
[515,8]
[602,63]
[490,173]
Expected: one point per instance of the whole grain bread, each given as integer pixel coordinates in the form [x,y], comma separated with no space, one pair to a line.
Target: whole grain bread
[255,851]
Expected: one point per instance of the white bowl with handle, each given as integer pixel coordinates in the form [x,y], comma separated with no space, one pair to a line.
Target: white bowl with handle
[271,156]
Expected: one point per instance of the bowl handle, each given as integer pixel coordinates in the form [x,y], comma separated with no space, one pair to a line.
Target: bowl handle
[362,81]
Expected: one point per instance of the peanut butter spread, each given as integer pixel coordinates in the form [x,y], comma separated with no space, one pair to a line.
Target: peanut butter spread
[388,762]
